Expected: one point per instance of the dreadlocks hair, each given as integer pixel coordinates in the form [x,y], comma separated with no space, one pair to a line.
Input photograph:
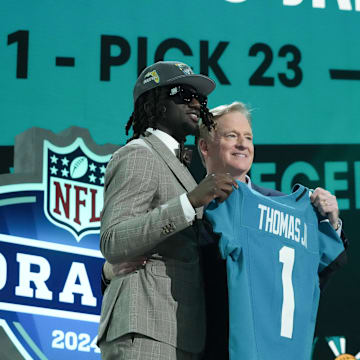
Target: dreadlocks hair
[207,117]
[140,119]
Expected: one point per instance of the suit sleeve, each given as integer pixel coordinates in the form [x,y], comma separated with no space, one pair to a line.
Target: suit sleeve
[332,251]
[130,224]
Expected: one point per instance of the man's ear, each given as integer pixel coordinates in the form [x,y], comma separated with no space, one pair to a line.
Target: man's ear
[203,147]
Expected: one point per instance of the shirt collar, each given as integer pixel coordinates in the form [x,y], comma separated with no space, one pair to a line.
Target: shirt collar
[168,140]
[248,181]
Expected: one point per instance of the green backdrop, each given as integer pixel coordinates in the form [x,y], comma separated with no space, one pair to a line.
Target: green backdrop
[273,56]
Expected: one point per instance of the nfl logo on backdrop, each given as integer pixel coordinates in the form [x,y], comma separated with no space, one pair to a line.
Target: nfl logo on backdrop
[50,263]
[73,177]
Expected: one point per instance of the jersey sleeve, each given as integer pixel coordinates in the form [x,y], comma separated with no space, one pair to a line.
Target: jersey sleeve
[222,217]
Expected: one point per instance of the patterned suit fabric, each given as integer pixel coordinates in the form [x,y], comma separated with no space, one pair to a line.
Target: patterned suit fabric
[143,215]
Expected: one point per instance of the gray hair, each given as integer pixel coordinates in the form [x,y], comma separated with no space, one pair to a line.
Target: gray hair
[236,106]
[219,111]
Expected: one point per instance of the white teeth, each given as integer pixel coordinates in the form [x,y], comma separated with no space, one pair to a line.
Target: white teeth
[240,155]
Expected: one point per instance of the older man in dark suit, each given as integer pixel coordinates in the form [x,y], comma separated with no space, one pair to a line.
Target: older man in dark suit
[228,148]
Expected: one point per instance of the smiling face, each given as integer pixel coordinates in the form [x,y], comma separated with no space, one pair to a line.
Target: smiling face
[181,118]
[229,148]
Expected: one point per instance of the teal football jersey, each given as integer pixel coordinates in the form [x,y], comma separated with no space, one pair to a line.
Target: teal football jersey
[274,249]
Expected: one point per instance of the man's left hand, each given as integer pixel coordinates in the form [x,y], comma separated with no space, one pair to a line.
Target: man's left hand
[127,267]
[327,205]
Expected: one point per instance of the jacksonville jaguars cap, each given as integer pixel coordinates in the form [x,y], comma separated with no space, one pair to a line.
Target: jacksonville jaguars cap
[164,73]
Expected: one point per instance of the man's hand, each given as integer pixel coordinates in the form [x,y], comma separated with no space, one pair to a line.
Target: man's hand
[112,270]
[327,205]
[214,186]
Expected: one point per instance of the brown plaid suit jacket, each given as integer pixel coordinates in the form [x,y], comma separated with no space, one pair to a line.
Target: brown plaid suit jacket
[143,215]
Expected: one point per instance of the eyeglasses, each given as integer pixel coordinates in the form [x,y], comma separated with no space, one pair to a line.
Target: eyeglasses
[186,94]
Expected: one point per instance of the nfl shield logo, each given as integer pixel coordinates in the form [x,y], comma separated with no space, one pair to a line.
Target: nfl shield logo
[73,179]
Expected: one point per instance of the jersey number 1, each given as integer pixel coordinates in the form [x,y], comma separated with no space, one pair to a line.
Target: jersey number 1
[287,257]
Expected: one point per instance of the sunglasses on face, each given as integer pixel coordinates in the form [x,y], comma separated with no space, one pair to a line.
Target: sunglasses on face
[186,95]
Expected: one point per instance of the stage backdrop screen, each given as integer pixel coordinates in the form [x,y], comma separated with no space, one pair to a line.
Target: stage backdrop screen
[66,78]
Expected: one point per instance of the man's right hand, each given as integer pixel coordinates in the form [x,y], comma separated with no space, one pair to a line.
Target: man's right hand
[214,186]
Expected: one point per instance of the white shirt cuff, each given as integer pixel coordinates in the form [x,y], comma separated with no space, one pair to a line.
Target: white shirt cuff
[188,210]
[338,231]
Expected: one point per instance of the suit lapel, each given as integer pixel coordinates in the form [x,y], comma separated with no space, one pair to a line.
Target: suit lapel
[265,191]
[261,190]
[179,170]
